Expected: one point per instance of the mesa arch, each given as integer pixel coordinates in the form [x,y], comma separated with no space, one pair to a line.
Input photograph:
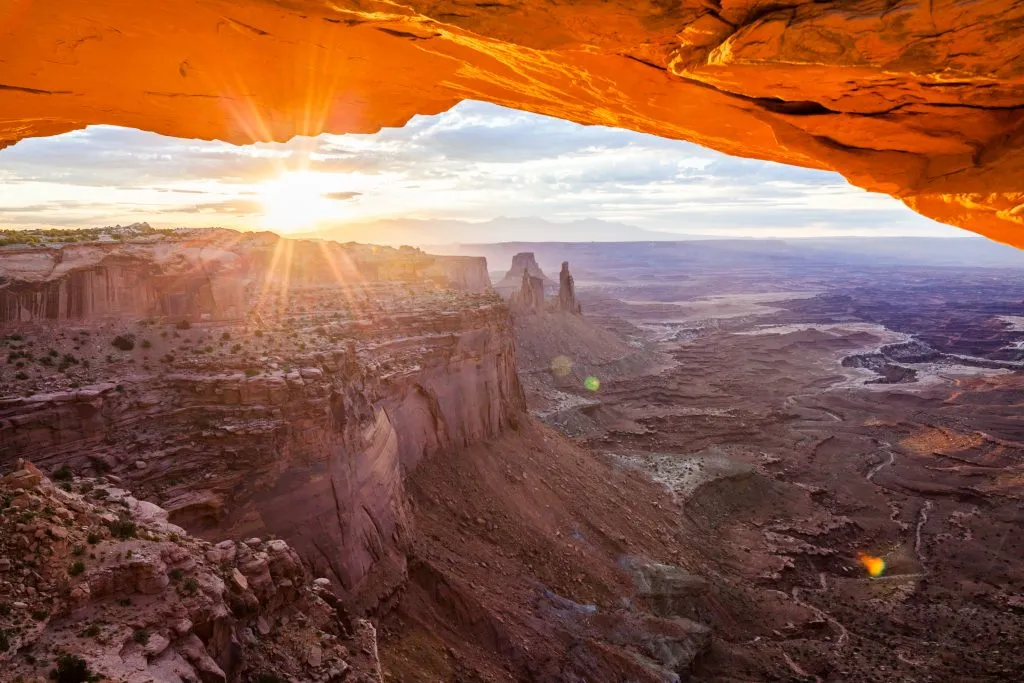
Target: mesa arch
[920,99]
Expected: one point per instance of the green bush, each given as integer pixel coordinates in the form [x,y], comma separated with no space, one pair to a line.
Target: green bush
[72,669]
[124,342]
[122,528]
[183,325]
[63,473]
[141,636]
[76,568]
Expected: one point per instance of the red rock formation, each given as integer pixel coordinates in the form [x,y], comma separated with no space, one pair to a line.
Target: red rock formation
[529,298]
[213,274]
[919,100]
[523,262]
[308,438]
[567,292]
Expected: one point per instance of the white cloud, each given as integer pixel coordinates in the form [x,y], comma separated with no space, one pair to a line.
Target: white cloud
[474,162]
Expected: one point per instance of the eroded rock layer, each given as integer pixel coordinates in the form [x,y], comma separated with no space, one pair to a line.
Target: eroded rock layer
[921,100]
[204,275]
[300,419]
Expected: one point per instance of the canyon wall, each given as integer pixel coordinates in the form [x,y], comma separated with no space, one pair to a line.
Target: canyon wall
[301,420]
[920,100]
[213,274]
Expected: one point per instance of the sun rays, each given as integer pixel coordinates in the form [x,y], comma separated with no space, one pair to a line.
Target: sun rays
[299,200]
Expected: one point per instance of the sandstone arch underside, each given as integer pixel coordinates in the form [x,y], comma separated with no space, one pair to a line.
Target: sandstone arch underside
[921,99]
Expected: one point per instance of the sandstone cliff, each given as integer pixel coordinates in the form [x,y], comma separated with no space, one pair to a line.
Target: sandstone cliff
[205,274]
[921,100]
[97,582]
[300,420]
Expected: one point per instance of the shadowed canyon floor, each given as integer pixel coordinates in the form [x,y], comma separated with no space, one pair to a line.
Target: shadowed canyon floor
[790,457]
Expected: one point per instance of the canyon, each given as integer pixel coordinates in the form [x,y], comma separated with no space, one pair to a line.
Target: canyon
[667,472]
[920,100]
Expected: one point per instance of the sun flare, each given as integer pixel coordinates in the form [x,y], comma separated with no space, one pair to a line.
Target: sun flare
[299,200]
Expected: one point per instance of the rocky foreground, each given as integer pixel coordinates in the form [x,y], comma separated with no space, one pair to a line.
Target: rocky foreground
[98,584]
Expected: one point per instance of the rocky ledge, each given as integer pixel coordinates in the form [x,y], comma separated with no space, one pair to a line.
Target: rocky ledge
[97,583]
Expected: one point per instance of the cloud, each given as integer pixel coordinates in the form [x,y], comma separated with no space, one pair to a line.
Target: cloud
[474,162]
[240,207]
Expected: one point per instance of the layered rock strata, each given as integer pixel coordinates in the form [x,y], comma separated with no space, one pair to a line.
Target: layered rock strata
[301,420]
[921,100]
[203,275]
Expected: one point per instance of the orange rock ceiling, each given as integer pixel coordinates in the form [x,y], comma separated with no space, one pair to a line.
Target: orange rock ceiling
[921,99]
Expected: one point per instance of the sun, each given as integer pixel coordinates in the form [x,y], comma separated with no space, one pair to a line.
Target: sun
[297,200]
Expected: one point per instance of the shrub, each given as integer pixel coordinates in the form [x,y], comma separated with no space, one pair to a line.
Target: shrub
[72,669]
[77,568]
[249,372]
[124,342]
[190,586]
[40,615]
[183,325]
[268,677]
[146,344]
[141,636]
[91,631]
[20,375]
[176,574]
[63,473]
[93,538]
[122,528]
[226,336]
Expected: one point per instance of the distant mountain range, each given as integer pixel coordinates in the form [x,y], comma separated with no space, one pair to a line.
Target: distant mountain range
[500,238]
[432,232]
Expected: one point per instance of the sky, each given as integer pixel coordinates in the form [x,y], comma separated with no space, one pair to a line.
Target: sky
[474,163]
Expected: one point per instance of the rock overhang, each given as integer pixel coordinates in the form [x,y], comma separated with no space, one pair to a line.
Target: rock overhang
[920,100]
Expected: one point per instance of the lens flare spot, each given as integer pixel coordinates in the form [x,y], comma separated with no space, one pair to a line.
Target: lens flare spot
[561,366]
[592,383]
[874,565]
